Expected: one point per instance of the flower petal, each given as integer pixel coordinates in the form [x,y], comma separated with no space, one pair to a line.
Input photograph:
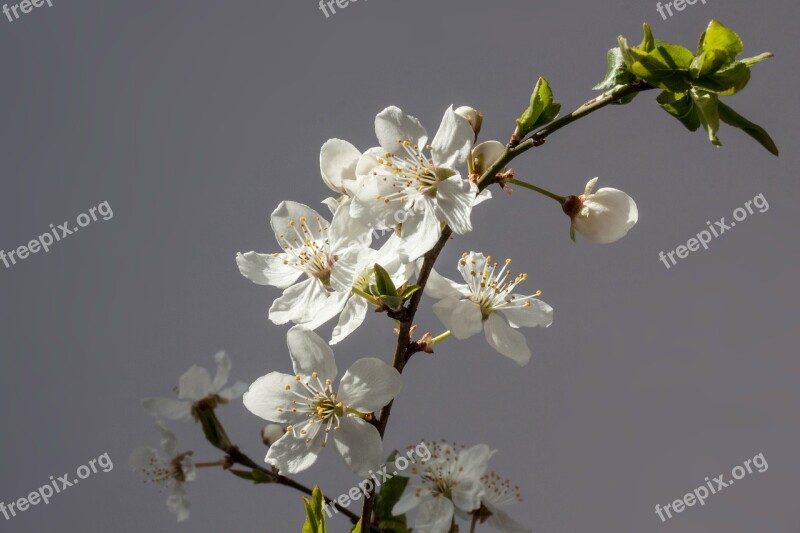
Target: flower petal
[462,317]
[471,265]
[329,308]
[410,499]
[169,408]
[178,503]
[506,340]
[267,269]
[291,455]
[606,216]
[288,212]
[310,353]
[537,314]
[337,164]
[392,125]
[143,459]
[269,398]
[467,494]
[299,303]
[369,384]
[419,233]
[223,371]
[360,445]
[234,391]
[501,521]
[195,384]
[452,143]
[473,462]
[346,231]
[168,441]
[434,516]
[353,315]
[440,287]
[454,198]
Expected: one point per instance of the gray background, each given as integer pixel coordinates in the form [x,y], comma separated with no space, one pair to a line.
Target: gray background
[194,119]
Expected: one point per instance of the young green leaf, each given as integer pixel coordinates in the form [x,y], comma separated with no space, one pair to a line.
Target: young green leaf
[726,81]
[719,37]
[707,105]
[356,528]
[732,118]
[750,61]
[680,106]
[617,73]
[385,500]
[256,476]
[384,283]
[315,514]
[541,110]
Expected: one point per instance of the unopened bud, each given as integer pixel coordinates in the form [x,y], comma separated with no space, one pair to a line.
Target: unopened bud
[271,433]
[484,155]
[473,116]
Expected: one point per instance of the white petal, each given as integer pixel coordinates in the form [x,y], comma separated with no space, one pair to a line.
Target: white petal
[267,269]
[485,154]
[349,264]
[167,408]
[420,233]
[195,384]
[473,462]
[454,198]
[360,445]
[353,315]
[285,213]
[168,441]
[452,143]
[501,521]
[178,503]
[310,353]
[346,231]
[435,516]
[188,468]
[467,494]
[507,340]
[143,459]
[606,216]
[234,391]
[331,203]
[269,399]
[223,371]
[299,303]
[291,454]
[472,262]
[392,125]
[410,499]
[337,163]
[369,384]
[537,314]
[462,317]
[330,307]
[440,287]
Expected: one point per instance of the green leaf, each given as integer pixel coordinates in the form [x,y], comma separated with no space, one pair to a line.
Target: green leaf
[648,44]
[665,67]
[708,62]
[384,283]
[315,515]
[256,476]
[732,118]
[750,61]
[387,498]
[707,106]
[680,106]
[617,73]
[719,37]
[541,110]
[726,81]
[356,528]
[408,291]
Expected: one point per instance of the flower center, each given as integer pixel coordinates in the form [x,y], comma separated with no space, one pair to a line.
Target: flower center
[491,287]
[409,172]
[316,402]
[309,249]
[160,471]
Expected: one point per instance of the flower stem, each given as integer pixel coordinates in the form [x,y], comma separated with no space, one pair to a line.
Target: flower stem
[554,196]
[211,464]
[474,525]
[441,337]
[366,296]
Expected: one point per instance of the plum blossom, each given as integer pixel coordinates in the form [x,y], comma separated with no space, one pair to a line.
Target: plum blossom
[499,493]
[315,411]
[448,482]
[327,256]
[602,217]
[408,181]
[195,385]
[173,469]
[487,301]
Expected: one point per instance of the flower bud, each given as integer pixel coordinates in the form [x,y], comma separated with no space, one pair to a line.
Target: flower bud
[271,433]
[602,217]
[473,116]
[483,155]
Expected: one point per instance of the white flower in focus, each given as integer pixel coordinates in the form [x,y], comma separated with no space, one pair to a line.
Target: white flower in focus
[174,469]
[602,217]
[315,411]
[326,254]
[487,301]
[337,164]
[195,385]
[499,493]
[452,480]
[407,181]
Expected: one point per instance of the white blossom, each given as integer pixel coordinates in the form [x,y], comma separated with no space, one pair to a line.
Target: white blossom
[602,217]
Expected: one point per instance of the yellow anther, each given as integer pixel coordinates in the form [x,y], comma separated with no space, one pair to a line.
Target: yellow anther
[289,428]
[328,381]
[508,261]
[303,220]
[314,375]
[287,387]
[291,223]
[297,377]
